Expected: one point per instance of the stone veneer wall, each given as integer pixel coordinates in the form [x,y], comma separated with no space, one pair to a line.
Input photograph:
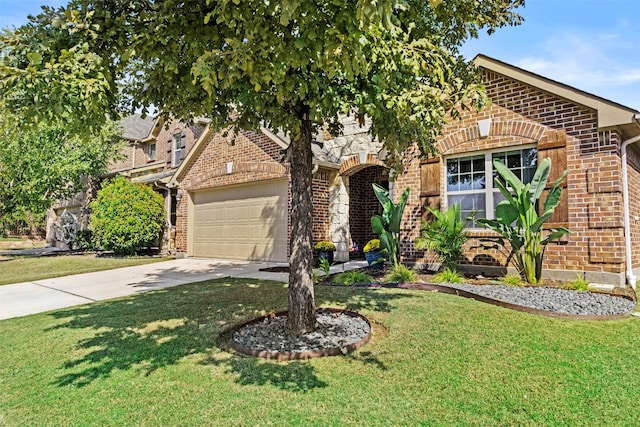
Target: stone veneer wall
[522,114]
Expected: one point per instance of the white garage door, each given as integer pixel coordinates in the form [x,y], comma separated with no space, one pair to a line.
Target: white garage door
[248,222]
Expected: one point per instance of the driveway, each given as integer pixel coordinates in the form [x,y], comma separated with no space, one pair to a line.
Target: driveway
[21,299]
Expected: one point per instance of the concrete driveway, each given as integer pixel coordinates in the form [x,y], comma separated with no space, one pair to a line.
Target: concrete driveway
[21,299]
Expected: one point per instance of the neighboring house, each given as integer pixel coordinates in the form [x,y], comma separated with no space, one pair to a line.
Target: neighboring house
[153,152]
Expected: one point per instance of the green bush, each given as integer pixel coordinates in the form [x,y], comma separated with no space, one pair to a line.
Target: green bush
[352,277]
[127,217]
[401,274]
[445,235]
[84,240]
[511,280]
[448,276]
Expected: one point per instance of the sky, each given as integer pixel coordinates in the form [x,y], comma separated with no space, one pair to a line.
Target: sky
[592,45]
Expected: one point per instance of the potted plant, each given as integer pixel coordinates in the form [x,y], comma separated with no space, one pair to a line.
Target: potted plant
[372,253]
[325,250]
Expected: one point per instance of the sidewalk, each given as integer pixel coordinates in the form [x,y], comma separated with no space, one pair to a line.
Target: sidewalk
[21,299]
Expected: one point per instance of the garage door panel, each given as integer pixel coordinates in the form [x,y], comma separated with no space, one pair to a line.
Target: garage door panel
[243,223]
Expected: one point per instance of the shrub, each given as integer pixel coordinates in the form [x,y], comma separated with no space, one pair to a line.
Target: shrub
[517,220]
[401,274]
[444,235]
[352,277]
[325,246]
[127,217]
[580,284]
[372,246]
[511,280]
[84,240]
[448,276]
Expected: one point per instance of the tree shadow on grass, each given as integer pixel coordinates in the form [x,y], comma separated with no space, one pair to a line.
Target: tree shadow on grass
[151,331]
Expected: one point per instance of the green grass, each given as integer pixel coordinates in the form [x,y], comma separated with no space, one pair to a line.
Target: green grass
[17,269]
[352,277]
[16,243]
[158,359]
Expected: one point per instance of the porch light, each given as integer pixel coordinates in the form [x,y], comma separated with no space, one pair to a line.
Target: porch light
[483,127]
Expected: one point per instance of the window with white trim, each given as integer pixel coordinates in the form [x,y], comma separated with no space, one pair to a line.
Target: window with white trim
[470,179]
[177,149]
[152,152]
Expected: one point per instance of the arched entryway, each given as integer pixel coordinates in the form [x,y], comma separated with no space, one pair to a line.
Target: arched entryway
[363,204]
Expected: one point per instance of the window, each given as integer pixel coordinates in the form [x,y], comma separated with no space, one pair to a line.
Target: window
[178,150]
[152,152]
[469,182]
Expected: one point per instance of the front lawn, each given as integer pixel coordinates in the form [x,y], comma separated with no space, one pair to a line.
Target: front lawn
[157,359]
[17,269]
[17,243]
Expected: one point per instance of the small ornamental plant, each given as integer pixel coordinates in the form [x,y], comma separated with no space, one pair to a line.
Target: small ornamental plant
[372,245]
[325,246]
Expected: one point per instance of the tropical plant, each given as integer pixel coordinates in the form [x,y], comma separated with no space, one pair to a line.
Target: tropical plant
[387,225]
[517,222]
[324,246]
[325,266]
[448,276]
[372,245]
[445,235]
[127,217]
[352,277]
[400,273]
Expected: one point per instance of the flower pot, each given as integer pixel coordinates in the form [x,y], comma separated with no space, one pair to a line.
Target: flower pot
[326,255]
[372,257]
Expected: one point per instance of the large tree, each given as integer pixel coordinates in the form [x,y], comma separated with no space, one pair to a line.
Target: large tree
[289,65]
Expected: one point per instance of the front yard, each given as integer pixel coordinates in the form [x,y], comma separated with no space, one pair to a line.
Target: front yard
[434,359]
[17,269]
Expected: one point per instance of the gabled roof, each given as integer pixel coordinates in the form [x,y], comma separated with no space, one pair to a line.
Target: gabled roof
[136,128]
[610,114]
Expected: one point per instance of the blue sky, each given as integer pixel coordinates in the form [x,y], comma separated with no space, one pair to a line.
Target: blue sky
[593,45]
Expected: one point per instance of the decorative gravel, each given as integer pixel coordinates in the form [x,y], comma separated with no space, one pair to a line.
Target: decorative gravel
[552,299]
[334,330]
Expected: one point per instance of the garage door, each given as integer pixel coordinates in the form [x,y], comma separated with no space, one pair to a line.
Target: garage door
[248,222]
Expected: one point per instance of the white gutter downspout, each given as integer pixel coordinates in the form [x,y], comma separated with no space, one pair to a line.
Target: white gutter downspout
[631,278]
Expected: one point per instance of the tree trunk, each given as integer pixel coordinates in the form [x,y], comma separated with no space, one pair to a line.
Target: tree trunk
[302,316]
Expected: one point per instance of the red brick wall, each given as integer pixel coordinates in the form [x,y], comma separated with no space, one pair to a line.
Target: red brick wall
[209,170]
[633,171]
[255,157]
[521,115]
[321,182]
[363,203]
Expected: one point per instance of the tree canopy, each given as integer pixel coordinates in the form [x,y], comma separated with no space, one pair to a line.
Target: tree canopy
[289,65]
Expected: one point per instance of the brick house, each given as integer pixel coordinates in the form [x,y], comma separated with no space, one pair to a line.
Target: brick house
[230,199]
[233,196]
[233,199]
[530,118]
